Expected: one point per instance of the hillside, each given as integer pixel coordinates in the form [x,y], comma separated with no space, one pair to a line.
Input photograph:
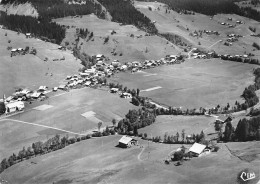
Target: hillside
[31,70]
[185,25]
[106,163]
[20,9]
[128,43]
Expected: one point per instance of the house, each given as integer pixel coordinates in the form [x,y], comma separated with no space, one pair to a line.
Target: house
[36,95]
[197,149]
[126,95]
[14,106]
[223,119]
[126,142]
[114,90]
[88,83]
[62,87]
[124,67]
[42,88]
[55,89]
[28,35]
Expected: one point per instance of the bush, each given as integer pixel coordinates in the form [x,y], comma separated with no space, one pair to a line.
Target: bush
[256,46]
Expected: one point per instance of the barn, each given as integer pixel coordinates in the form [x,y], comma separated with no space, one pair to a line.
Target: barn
[197,149]
[126,142]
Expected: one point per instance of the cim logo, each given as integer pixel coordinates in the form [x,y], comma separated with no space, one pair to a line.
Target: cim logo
[246,176]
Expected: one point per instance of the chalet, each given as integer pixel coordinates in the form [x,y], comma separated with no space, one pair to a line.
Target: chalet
[126,142]
[62,87]
[88,83]
[14,106]
[124,67]
[223,119]
[197,149]
[114,90]
[42,88]
[28,35]
[126,95]
[62,48]
[99,56]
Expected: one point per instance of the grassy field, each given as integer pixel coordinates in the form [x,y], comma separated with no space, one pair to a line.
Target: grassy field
[131,48]
[65,113]
[173,124]
[192,84]
[178,23]
[105,163]
[29,70]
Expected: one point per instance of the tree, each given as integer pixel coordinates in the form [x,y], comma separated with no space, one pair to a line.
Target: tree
[183,135]
[135,130]
[137,92]
[145,135]
[228,131]
[99,126]
[114,121]
[4,165]
[177,137]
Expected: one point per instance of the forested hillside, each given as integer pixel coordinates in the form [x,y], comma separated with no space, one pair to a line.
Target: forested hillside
[47,9]
[208,7]
[124,12]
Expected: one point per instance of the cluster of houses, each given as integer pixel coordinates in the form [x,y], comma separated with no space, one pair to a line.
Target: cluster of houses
[197,54]
[231,25]
[15,102]
[22,51]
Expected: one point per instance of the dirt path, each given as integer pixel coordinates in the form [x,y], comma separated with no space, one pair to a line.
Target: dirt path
[139,155]
[35,124]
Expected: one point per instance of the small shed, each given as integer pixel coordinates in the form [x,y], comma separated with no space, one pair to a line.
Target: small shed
[126,142]
[196,149]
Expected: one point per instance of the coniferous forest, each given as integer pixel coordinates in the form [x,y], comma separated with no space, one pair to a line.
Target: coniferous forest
[124,12]
[42,26]
[209,7]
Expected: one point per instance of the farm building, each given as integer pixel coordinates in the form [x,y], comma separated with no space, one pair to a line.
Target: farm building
[126,142]
[223,119]
[14,106]
[198,149]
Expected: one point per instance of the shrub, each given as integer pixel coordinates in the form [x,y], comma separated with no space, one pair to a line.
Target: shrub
[256,46]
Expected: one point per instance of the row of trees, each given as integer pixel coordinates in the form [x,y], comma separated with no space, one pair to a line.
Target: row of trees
[39,148]
[179,138]
[124,12]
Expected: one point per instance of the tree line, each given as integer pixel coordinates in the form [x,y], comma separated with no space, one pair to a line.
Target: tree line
[124,12]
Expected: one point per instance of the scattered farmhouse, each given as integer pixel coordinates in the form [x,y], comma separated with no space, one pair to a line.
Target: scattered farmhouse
[126,142]
[197,149]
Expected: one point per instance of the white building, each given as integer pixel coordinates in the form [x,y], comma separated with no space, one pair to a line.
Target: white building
[14,106]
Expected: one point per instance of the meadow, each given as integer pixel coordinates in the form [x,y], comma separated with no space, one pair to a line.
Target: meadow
[192,84]
[106,163]
[77,111]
